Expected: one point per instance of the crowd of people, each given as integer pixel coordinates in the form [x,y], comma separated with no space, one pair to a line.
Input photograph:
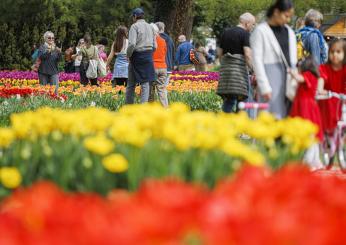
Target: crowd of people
[269,63]
[290,68]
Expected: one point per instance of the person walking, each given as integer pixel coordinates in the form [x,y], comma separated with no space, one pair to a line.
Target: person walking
[142,43]
[49,55]
[202,57]
[312,38]
[160,70]
[119,48]
[182,56]
[88,52]
[170,49]
[274,45]
[235,56]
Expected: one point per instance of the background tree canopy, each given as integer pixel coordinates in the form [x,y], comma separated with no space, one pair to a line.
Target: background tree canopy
[23,22]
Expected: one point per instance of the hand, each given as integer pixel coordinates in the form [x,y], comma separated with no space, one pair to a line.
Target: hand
[322,92]
[267,97]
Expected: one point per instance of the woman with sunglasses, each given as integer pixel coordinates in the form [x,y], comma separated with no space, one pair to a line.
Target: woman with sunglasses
[49,55]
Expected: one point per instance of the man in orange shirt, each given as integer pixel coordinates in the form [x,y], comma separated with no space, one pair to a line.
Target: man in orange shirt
[160,65]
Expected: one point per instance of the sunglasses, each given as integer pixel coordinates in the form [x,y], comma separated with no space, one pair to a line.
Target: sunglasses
[50,38]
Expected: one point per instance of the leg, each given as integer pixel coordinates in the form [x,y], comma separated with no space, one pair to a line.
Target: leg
[113,82]
[161,87]
[228,104]
[82,72]
[94,82]
[44,79]
[54,80]
[152,92]
[130,88]
[168,77]
[145,89]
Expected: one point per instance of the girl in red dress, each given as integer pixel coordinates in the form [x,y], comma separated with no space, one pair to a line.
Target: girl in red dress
[305,105]
[334,76]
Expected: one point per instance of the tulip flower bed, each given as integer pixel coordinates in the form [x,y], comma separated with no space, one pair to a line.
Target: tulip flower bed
[291,206]
[8,92]
[179,81]
[120,149]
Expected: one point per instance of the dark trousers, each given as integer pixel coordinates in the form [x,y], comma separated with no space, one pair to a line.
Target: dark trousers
[121,81]
[230,104]
[83,78]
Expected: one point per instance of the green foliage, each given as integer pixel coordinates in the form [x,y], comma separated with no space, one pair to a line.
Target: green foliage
[206,101]
[23,23]
[222,13]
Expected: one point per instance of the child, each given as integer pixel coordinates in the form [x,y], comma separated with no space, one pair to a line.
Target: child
[334,76]
[305,105]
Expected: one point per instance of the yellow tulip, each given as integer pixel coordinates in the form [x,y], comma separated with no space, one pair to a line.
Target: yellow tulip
[10,177]
[115,163]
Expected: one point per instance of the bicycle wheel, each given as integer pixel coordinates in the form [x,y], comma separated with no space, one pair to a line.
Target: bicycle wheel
[327,153]
[342,151]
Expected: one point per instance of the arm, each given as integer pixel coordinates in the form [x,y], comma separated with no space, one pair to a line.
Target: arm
[248,57]
[110,56]
[219,52]
[298,77]
[312,44]
[177,56]
[257,43]
[154,40]
[132,41]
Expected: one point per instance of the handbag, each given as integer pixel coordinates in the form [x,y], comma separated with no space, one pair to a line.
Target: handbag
[91,72]
[291,83]
[101,68]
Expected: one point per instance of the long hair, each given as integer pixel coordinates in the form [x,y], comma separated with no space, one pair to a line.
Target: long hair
[120,36]
[309,64]
[281,5]
[87,38]
[335,42]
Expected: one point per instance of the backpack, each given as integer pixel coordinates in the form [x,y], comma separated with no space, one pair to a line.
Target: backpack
[194,57]
[302,53]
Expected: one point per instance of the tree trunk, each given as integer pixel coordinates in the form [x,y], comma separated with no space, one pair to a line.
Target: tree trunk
[177,16]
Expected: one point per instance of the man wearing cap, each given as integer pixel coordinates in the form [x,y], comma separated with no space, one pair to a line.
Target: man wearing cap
[142,43]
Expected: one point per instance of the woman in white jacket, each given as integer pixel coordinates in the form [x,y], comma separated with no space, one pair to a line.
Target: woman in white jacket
[273,44]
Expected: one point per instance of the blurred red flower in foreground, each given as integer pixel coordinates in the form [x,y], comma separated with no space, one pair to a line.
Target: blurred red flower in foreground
[291,206]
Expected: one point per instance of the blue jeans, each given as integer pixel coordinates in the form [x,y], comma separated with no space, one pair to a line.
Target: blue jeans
[49,79]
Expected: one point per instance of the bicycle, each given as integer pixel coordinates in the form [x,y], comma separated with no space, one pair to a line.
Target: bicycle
[254,106]
[336,143]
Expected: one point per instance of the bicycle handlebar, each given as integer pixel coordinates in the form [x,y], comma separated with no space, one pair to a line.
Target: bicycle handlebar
[330,95]
[253,105]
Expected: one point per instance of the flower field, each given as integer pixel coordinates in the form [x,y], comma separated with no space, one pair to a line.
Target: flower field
[194,89]
[80,167]
[120,149]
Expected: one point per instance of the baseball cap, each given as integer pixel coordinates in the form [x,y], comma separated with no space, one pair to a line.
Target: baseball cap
[137,12]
